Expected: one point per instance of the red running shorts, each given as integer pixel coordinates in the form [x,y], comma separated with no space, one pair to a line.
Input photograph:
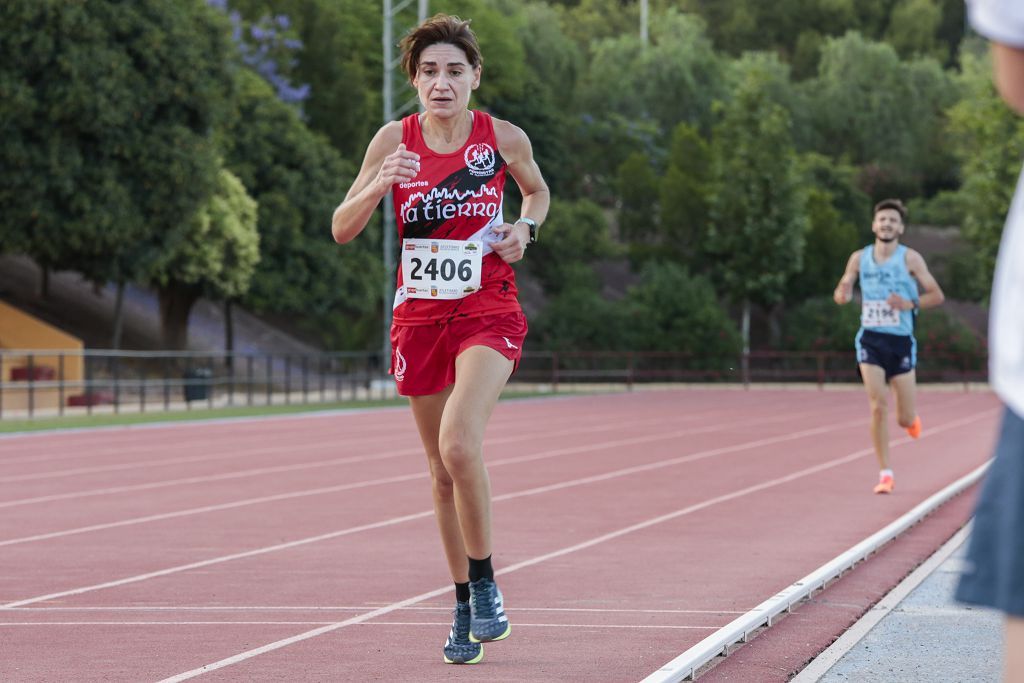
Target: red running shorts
[423,356]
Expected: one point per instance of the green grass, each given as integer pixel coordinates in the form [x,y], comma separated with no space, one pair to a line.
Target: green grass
[155,417]
[202,413]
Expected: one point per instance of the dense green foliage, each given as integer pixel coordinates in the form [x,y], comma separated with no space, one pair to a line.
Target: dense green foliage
[106,111]
[297,178]
[731,158]
[215,254]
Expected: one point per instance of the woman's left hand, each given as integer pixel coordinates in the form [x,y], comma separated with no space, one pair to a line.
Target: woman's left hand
[512,246]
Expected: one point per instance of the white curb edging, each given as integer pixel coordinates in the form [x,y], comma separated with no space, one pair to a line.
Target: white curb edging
[685,666]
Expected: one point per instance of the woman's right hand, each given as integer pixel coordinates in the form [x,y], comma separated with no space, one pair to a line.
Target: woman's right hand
[400,166]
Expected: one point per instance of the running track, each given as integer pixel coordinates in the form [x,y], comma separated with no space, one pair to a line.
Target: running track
[628,527]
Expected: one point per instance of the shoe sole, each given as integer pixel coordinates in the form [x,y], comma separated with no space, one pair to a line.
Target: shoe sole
[503,636]
[475,660]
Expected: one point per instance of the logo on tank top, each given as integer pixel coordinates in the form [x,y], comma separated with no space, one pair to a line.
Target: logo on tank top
[480,159]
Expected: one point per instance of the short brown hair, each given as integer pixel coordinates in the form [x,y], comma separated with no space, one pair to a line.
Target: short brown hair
[440,28]
[894,204]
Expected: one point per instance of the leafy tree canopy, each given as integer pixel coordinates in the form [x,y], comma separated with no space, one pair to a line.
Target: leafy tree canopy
[298,179]
[106,110]
[757,215]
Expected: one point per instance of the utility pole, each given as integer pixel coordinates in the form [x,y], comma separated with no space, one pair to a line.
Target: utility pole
[643,22]
[394,16]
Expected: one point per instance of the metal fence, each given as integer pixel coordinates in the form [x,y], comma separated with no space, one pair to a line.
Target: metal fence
[43,382]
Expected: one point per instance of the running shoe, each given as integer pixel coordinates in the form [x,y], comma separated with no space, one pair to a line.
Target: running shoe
[488,621]
[885,485]
[915,429]
[458,649]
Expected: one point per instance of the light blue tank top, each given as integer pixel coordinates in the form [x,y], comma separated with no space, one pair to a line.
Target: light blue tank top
[877,282]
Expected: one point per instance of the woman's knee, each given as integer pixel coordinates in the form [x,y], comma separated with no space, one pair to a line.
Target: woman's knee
[460,454]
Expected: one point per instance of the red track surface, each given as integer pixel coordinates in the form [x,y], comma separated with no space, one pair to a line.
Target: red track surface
[628,527]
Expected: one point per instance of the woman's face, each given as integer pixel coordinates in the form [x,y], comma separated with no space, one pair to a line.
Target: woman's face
[444,80]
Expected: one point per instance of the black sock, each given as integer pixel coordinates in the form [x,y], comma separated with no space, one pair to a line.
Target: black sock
[462,591]
[480,569]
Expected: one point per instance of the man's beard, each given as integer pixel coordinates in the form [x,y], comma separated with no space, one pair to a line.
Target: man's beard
[887,239]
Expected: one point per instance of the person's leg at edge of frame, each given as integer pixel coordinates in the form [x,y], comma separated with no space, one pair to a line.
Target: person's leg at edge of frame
[878,399]
[905,388]
[1013,650]
[427,410]
[480,376]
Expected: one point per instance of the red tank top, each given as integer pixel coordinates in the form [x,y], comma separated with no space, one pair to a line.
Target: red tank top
[467,186]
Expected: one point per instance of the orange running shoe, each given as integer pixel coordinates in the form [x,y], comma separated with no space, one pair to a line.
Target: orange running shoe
[915,429]
[885,485]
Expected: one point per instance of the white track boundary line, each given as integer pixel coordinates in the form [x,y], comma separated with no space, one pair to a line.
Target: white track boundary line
[419,474]
[820,665]
[789,436]
[446,608]
[278,469]
[243,446]
[249,654]
[245,450]
[685,666]
[519,624]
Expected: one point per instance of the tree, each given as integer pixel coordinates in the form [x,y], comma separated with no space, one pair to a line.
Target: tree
[574,233]
[881,114]
[580,319]
[553,66]
[638,199]
[818,324]
[989,142]
[829,241]
[913,29]
[267,46]
[673,79]
[633,95]
[107,112]
[758,222]
[298,179]
[215,255]
[685,192]
[672,310]
[340,60]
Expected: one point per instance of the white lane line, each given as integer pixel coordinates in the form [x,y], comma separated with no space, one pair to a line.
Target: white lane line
[382,455]
[240,447]
[246,452]
[422,474]
[519,624]
[269,647]
[279,469]
[447,608]
[789,436]
[132,446]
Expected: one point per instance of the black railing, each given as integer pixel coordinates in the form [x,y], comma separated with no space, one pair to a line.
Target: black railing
[36,382]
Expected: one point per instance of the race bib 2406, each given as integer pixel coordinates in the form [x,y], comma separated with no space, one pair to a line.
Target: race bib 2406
[441,269]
